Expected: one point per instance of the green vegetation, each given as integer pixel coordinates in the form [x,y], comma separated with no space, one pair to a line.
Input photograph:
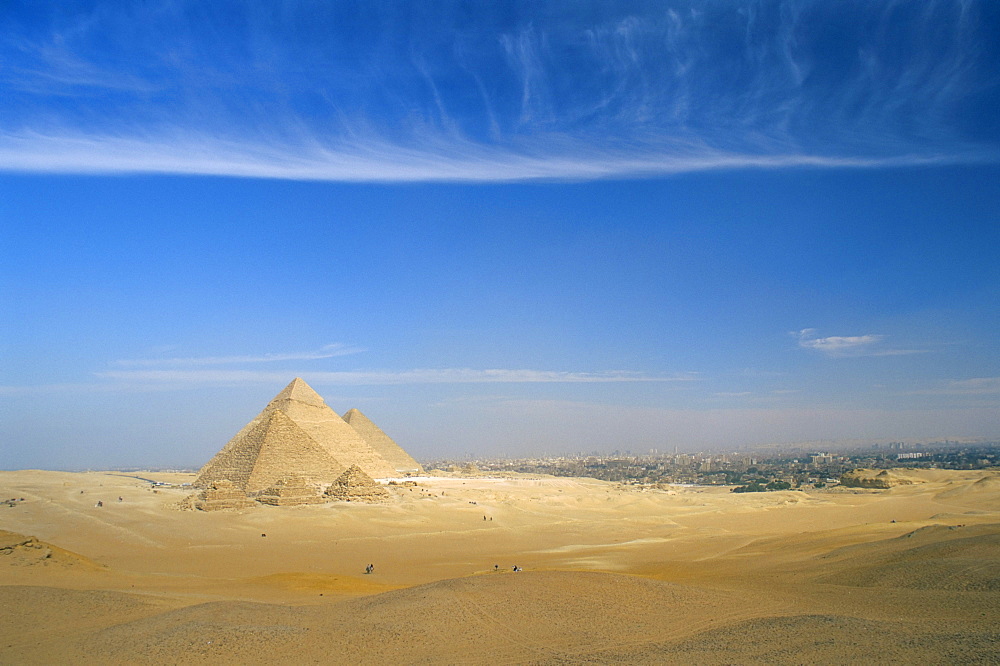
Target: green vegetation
[757,487]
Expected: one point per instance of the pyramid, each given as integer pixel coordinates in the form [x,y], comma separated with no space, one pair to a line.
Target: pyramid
[222,495]
[382,443]
[356,486]
[290,491]
[296,433]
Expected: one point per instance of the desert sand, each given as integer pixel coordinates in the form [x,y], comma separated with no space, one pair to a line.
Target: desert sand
[609,574]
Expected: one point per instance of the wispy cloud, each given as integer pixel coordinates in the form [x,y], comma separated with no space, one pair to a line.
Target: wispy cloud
[184,87]
[380,161]
[973,386]
[838,345]
[327,351]
[379,377]
[849,345]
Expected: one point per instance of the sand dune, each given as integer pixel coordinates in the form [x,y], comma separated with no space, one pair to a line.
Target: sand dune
[936,557]
[815,639]
[985,488]
[611,574]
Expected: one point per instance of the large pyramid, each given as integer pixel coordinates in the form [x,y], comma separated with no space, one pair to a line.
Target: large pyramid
[296,434]
[382,443]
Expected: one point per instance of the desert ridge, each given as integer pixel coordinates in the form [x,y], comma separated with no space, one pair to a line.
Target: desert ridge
[298,436]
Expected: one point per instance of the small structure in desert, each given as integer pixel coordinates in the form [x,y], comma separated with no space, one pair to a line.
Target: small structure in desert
[356,486]
[298,435]
[290,491]
[221,495]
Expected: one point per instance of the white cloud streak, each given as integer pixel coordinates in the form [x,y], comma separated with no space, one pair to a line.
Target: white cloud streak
[385,377]
[837,345]
[849,345]
[379,161]
[327,351]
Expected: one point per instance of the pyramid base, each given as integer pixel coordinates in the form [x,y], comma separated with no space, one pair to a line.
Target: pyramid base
[224,505]
[291,501]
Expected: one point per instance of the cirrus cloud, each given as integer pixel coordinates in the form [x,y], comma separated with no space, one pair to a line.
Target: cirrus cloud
[376,92]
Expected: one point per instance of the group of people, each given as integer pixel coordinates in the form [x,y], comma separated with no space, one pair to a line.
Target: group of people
[370,568]
[515,568]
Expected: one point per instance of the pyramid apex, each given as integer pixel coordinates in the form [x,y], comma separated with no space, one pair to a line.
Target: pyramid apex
[354,413]
[300,391]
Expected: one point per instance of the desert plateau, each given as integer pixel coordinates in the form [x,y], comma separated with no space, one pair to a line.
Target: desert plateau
[607,573]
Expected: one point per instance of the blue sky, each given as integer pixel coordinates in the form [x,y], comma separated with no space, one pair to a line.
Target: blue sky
[497,228]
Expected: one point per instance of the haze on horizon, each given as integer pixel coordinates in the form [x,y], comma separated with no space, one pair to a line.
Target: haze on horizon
[497,229]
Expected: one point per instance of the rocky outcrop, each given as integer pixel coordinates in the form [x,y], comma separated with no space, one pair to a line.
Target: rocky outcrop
[21,550]
[875,479]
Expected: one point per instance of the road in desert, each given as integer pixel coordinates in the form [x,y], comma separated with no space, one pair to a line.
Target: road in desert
[608,573]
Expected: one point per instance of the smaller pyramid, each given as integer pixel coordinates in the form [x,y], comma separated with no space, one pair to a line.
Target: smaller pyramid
[221,495]
[392,452]
[290,491]
[356,486]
